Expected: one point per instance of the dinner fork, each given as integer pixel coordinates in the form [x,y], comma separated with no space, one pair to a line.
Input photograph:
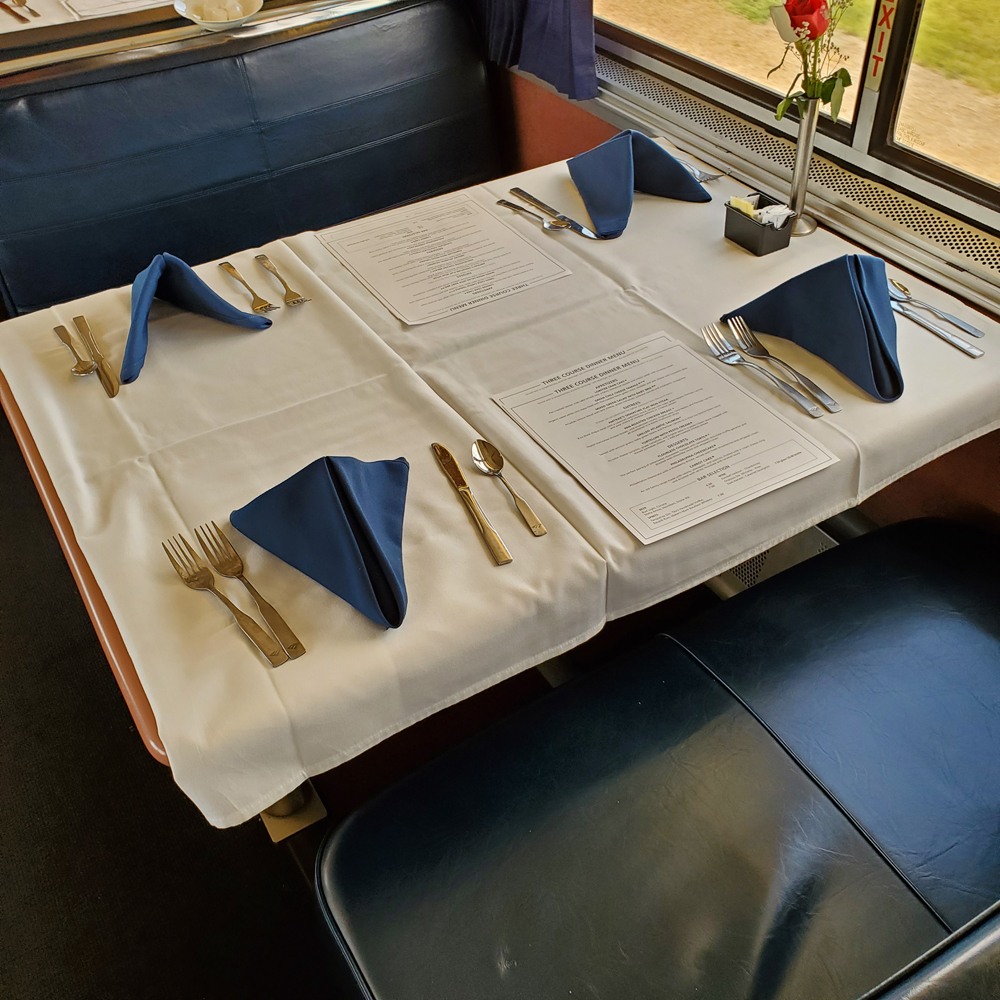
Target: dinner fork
[198,577]
[724,352]
[291,298]
[747,342]
[226,561]
[702,176]
[258,305]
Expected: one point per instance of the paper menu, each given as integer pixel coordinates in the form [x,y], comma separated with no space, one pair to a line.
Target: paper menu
[433,259]
[109,8]
[662,438]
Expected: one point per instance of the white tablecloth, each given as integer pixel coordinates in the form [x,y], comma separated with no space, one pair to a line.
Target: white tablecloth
[673,270]
[220,414]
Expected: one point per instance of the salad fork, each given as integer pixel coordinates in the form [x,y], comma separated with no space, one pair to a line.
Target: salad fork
[747,342]
[724,352]
[198,577]
[226,561]
[291,298]
[258,305]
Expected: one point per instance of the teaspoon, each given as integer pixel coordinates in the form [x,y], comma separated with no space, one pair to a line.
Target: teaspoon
[488,460]
[550,224]
[82,367]
[901,293]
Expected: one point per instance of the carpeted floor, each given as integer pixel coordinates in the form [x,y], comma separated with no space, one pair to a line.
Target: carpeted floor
[112,885]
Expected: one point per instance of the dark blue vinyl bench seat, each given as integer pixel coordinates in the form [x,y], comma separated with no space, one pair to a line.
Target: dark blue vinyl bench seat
[791,799]
[225,142]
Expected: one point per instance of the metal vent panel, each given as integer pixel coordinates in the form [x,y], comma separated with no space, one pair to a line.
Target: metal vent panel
[862,195]
[749,572]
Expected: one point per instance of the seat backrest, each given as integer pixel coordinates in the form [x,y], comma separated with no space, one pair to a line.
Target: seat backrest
[220,143]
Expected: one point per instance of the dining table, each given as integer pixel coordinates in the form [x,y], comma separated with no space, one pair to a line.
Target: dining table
[221,414]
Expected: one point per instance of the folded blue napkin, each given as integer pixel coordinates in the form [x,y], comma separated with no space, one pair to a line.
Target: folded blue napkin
[607,175]
[170,279]
[841,312]
[339,521]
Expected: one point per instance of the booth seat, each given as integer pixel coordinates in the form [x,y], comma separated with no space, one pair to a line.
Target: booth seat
[219,143]
[795,796]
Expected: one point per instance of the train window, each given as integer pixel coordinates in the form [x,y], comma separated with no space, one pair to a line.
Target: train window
[950,102]
[923,113]
[736,37]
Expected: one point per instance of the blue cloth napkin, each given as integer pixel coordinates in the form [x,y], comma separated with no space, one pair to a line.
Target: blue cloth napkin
[607,175]
[841,312]
[339,521]
[170,279]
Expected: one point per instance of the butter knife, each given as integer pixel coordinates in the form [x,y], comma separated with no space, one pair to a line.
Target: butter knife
[963,345]
[14,13]
[454,472]
[108,378]
[575,226]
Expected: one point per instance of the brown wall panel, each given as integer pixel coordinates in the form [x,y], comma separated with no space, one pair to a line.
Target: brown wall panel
[963,485]
[548,127]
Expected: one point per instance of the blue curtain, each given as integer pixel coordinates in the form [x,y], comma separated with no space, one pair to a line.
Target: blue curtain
[554,39]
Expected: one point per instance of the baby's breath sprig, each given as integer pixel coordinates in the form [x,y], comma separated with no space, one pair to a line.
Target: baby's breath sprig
[801,24]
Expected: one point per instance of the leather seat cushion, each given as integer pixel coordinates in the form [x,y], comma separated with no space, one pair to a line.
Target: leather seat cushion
[878,665]
[636,834]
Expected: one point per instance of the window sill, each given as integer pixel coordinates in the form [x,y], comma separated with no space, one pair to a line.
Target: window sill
[925,227]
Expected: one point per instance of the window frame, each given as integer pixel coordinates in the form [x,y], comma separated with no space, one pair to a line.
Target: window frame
[883,145]
[870,133]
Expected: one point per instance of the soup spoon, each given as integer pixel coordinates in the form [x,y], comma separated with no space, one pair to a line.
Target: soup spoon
[901,293]
[488,460]
[82,367]
[550,224]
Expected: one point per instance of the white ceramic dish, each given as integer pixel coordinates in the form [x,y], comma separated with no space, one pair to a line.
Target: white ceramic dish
[184,8]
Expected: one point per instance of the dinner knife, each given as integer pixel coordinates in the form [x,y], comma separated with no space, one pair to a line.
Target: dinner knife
[108,378]
[454,472]
[575,226]
[964,346]
[14,13]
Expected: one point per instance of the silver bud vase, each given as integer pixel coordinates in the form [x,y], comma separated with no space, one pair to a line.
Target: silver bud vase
[802,224]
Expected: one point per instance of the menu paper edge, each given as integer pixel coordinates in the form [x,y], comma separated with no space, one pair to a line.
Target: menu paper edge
[828,458]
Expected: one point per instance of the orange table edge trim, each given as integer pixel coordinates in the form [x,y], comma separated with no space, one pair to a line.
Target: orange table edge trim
[97,607]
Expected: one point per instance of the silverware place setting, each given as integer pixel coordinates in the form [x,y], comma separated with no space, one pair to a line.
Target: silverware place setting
[488,460]
[451,468]
[105,372]
[259,303]
[558,216]
[96,363]
[553,225]
[900,293]
[702,176]
[939,331]
[292,298]
[747,342]
[14,14]
[227,562]
[82,366]
[903,303]
[723,351]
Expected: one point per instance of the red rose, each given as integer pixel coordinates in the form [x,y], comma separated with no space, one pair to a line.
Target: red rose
[812,14]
